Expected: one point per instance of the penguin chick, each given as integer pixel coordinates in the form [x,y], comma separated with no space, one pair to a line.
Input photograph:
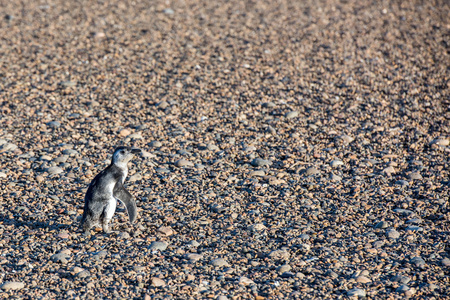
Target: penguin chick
[104,191]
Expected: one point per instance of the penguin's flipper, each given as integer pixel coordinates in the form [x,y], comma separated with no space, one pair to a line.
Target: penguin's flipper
[120,193]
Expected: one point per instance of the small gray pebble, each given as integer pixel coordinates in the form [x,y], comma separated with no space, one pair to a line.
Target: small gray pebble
[54,124]
[291,114]
[194,243]
[382,225]
[83,274]
[287,275]
[445,262]
[68,83]
[356,292]
[331,274]
[334,177]
[162,105]
[268,105]
[169,11]
[161,246]
[60,258]
[8,147]
[124,235]
[401,278]
[403,288]
[12,285]
[414,228]
[336,163]
[346,138]
[155,144]
[284,268]
[378,244]
[415,176]
[259,162]
[279,255]
[54,170]
[304,236]
[219,262]
[402,211]
[414,221]
[61,159]
[402,182]
[312,171]
[135,177]
[100,255]
[392,233]
[417,261]
[212,147]
[162,170]
[70,152]
[184,163]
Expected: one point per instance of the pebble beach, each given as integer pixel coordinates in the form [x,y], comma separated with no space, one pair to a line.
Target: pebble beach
[291,149]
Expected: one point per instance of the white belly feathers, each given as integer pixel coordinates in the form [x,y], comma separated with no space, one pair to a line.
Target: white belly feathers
[111,208]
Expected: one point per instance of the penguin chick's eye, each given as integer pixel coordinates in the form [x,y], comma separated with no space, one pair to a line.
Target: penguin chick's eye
[122,152]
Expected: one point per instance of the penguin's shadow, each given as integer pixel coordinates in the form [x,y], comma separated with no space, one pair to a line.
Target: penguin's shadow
[35,224]
[49,224]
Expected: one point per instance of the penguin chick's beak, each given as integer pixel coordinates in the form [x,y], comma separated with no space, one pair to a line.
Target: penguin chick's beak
[136,150]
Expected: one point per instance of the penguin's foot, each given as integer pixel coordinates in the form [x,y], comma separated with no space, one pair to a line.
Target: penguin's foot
[86,234]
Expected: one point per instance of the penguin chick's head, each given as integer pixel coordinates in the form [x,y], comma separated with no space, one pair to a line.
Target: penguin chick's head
[122,155]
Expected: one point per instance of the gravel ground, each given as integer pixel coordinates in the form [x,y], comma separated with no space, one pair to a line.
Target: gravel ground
[293,149]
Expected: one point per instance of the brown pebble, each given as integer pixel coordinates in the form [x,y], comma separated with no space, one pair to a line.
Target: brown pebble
[158,282]
[166,230]
[124,132]
[63,235]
